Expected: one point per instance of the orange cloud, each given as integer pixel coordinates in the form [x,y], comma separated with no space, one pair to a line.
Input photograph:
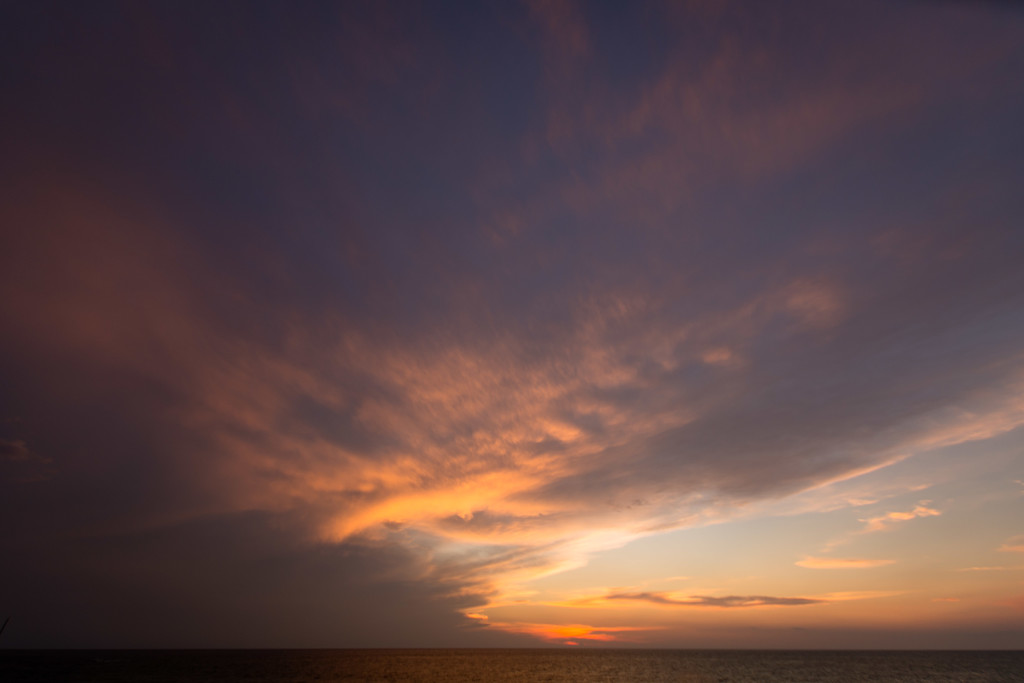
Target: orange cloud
[1014,544]
[990,569]
[840,563]
[883,522]
[845,596]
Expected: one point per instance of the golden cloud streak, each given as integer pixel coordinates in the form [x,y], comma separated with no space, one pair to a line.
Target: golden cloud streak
[883,522]
[1013,545]
[841,563]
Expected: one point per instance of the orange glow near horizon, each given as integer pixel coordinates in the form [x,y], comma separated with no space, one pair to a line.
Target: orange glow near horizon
[566,633]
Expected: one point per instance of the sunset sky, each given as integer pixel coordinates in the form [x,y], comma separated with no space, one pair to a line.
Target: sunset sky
[512,324]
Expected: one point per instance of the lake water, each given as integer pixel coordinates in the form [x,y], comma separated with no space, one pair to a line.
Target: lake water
[455,666]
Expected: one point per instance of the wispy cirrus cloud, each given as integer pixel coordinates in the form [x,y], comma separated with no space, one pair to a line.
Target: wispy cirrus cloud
[991,569]
[887,520]
[846,596]
[726,601]
[841,563]
[677,599]
[1014,544]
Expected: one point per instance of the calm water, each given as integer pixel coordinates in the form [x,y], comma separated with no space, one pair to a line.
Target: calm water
[716,666]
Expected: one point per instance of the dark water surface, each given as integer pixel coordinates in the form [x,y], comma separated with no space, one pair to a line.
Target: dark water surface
[698,666]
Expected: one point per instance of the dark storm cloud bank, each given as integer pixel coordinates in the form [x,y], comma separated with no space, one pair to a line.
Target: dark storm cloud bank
[273,259]
[231,581]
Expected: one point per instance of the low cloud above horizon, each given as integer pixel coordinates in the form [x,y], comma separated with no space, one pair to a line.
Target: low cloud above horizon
[412,326]
[726,601]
